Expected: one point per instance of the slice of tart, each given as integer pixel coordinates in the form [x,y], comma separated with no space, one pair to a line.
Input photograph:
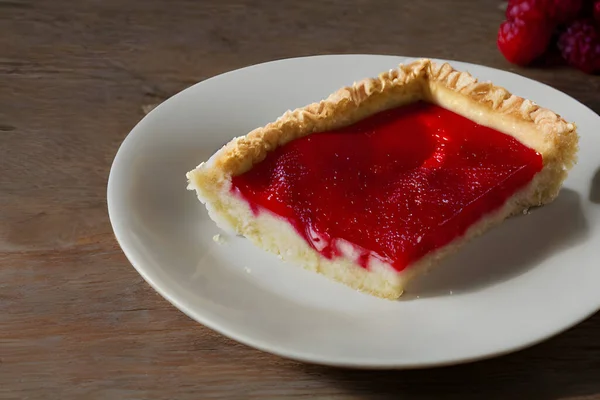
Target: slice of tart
[383,179]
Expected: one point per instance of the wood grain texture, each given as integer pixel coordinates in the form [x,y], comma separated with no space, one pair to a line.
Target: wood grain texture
[76,321]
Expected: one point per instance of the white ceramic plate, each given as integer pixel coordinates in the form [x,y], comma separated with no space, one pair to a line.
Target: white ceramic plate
[525,281]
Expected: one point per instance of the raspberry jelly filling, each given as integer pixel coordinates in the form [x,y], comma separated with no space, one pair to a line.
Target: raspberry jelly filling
[392,187]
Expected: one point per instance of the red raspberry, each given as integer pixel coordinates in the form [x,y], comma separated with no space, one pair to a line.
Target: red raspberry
[563,11]
[580,46]
[525,10]
[597,11]
[521,41]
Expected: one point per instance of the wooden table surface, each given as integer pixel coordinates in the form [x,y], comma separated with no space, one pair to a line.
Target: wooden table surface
[76,320]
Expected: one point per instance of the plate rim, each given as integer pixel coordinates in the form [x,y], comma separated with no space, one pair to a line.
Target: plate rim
[275,349]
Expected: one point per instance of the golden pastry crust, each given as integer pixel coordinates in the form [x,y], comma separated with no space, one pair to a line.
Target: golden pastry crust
[419,80]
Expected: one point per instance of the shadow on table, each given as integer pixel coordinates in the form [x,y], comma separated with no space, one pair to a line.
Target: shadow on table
[563,367]
[508,250]
[595,188]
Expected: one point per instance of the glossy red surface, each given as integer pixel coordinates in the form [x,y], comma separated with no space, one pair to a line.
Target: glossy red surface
[396,185]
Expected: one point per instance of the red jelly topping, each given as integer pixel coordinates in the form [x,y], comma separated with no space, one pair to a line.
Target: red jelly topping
[395,186]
